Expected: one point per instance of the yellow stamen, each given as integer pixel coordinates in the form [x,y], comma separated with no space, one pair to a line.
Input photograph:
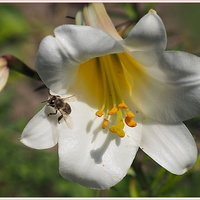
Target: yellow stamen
[122,105]
[130,114]
[112,82]
[105,123]
[130,122]
[99,113]
[113,110]
[118,129]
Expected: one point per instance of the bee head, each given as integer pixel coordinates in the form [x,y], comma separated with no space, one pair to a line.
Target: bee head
[52,101]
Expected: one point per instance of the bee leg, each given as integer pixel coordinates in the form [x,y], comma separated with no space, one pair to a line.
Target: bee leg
[53,113]
[59,118]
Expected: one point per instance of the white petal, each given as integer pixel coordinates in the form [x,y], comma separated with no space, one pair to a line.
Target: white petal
[40,132]
[170,145]
[169,89]
[148,34]
[58,57]
[4,74]
[91,156]
[96,16]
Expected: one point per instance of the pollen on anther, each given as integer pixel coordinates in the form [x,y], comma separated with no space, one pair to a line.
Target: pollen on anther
[113,110]
[99,113]
[130,122]
[130,114]
[104,124]
[122,105]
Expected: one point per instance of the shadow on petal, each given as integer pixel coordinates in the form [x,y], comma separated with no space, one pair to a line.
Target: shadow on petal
[89,126]
[98,153]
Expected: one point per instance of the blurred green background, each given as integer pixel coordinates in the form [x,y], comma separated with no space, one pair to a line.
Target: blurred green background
[26,172]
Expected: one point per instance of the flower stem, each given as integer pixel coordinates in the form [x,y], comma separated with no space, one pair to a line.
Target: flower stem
[142,179]
[14,63]
[102,193]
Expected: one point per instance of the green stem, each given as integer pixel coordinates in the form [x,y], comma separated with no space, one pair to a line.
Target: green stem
[102,193]
[141,178]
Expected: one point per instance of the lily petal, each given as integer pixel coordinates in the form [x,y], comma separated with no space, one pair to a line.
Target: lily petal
[96,16]
[4,73]
[148,34]
[170,145]
[170,86]
[40,133]
[91,156]
[58,57]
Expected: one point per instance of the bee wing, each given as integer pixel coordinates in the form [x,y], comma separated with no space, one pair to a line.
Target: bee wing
[68,120]
[70,98]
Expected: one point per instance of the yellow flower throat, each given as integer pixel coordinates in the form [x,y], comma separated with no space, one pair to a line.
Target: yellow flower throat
[107,78]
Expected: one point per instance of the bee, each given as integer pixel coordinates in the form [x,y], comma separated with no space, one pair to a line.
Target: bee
[60,104]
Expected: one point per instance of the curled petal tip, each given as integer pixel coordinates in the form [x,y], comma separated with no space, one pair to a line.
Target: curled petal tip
[3,62]
[152,11]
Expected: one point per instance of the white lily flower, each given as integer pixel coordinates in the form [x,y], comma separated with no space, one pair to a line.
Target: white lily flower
[4,73]
[129,93]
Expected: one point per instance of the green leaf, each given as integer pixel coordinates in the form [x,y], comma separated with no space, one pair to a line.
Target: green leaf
[14,25]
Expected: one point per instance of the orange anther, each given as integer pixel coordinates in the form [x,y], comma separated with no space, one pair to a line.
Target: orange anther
[130,122]
[130,114]
[113,110]
[122,105]
[105,123]
[99,113]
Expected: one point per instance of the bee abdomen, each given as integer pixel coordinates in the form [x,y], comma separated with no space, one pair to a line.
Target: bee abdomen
[67,109]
